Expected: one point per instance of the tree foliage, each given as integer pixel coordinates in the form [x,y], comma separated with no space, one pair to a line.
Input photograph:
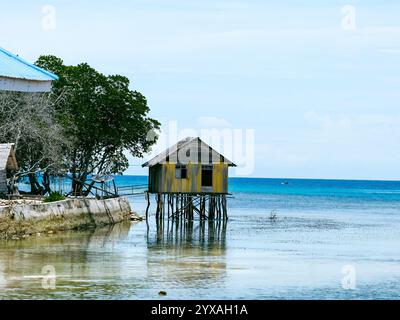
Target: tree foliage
[101,117]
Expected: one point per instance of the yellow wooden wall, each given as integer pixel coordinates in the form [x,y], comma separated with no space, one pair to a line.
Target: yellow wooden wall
[220,178]
[166,181]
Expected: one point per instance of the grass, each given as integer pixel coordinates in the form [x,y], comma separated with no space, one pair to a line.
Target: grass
[54,196]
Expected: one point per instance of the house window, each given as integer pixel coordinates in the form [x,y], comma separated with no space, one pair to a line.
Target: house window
[207,176]
[181,172]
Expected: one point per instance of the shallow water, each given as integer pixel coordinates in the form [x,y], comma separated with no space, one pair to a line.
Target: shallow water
[305,254]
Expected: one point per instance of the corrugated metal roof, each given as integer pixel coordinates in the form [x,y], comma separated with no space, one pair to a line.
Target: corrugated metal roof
[183,149]
[7,157]
[12,66]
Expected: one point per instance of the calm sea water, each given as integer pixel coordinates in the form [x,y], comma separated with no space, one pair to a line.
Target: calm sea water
[331,240]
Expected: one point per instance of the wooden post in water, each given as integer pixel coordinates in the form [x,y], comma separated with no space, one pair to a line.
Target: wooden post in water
[224,204]
[147,195]
[182,206]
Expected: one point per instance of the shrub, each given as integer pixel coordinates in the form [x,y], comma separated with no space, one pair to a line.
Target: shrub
[54,196]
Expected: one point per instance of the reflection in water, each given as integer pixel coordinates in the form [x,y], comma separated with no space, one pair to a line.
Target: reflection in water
[206,234]
[120,261]
[187,253]
[77,257]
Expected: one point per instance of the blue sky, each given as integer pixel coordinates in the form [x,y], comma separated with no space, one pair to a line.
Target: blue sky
[323,101]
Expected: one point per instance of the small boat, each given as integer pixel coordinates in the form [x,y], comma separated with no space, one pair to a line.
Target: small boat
[285,182]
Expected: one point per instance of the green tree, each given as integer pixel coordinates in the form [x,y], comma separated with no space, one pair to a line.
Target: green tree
[102,118]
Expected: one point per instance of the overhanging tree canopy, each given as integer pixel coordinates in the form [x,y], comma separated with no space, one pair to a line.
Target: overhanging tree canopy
[102,118]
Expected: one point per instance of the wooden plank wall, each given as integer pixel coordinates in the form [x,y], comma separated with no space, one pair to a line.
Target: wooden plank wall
[163,180]
[3,182]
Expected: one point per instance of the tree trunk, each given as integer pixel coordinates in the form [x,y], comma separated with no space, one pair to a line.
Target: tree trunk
[46,183]
[36,188]
[77,187]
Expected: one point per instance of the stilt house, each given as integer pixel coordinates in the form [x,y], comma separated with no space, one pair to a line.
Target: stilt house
[189,174]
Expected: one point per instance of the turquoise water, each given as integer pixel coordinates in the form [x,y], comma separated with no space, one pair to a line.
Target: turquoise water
[322,227]
[331,240]
[304,194]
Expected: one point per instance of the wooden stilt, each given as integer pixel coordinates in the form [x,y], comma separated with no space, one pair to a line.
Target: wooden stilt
[224,204]
[148,205]
[158,206]
[186,206]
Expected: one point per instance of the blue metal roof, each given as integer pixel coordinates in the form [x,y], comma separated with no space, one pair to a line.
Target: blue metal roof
[12,66]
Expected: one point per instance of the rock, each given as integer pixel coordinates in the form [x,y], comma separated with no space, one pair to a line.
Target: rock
[135,217]
[19,202]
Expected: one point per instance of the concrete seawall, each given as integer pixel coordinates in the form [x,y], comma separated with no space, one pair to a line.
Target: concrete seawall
[21,220]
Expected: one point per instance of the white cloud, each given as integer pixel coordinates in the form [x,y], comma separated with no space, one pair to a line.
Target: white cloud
[350,120]
[390,50]
[292,156]
[328,121]
[213,122]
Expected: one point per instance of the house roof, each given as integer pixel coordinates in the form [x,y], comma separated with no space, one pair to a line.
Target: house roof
[12,66]
[192,150]
[7,157]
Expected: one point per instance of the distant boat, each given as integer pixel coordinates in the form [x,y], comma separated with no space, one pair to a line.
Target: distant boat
[285,182]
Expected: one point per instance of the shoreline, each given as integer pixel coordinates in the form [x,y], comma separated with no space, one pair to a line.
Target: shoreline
[23,220]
